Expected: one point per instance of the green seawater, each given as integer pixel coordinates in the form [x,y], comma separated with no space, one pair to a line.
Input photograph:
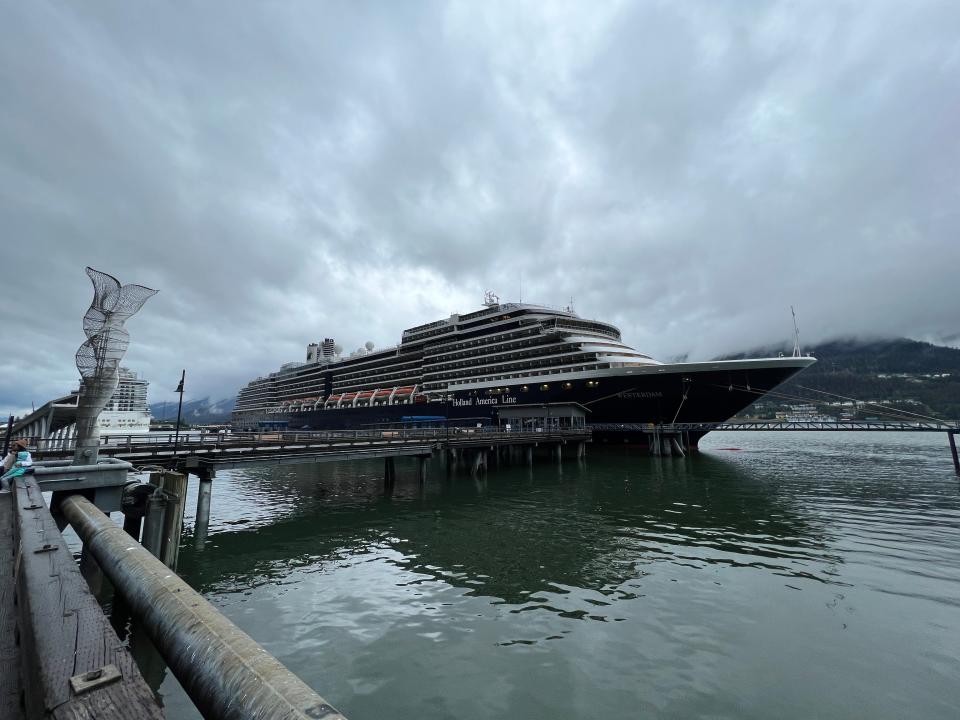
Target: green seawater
[773,575]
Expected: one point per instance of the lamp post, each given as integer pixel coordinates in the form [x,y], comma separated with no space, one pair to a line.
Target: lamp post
[176,437]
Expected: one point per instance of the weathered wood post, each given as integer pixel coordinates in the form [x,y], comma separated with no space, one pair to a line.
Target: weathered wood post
[175,485]
[389,471]
[422,469]
[153,522]
[163,524]
[529,454]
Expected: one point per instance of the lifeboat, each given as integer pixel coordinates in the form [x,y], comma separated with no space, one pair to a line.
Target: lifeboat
[332,401]
[347,399]
[363,397]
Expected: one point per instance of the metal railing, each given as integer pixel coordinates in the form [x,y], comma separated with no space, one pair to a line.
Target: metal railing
[192,440]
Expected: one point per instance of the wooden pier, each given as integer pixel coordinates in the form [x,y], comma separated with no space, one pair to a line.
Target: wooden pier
[198,453]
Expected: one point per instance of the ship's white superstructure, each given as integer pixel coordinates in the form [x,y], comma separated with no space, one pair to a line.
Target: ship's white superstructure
[127,412]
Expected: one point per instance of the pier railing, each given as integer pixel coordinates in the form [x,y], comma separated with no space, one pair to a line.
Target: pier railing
[188,440]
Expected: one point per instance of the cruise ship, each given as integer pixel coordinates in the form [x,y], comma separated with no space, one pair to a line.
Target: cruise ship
[508,363]
[127,412]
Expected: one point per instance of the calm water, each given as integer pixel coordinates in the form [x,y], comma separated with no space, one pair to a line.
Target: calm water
[797,576]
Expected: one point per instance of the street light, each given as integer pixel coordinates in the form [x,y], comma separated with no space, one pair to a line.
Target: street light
[176,437]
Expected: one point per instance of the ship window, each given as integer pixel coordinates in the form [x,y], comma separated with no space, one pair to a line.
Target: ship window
[524,388]
[545,386]
[568,386]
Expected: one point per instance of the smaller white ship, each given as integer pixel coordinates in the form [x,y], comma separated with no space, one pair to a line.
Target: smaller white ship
[127,412]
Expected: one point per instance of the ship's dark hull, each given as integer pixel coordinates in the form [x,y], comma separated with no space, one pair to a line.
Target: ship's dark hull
[687,393]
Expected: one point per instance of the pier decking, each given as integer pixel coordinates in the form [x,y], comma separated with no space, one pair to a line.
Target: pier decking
[195,452]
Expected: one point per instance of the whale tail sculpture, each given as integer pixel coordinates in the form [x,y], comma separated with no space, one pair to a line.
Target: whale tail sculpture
[98,359]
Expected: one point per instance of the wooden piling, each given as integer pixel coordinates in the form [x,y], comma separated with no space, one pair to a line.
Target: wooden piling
[153,523]
[175,485]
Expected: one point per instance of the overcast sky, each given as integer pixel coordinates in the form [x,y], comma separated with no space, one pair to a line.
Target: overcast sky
[282,172]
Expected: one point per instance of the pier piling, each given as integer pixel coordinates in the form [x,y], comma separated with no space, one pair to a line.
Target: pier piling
[175,486]
[153,522]
[204,491]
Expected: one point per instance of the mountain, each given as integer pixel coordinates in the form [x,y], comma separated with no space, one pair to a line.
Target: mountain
[201,411]
[913,376]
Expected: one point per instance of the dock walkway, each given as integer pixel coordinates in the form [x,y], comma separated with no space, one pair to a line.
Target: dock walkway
[221,451]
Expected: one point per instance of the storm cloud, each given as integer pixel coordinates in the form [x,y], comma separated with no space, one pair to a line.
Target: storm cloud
[283,172]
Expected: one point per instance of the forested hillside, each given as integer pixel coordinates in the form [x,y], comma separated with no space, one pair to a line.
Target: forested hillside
[914,376]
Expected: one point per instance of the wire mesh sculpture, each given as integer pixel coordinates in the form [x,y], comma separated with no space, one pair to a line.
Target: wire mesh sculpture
[98,359]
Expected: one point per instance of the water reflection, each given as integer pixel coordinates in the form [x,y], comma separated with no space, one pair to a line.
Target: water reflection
[516,532]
